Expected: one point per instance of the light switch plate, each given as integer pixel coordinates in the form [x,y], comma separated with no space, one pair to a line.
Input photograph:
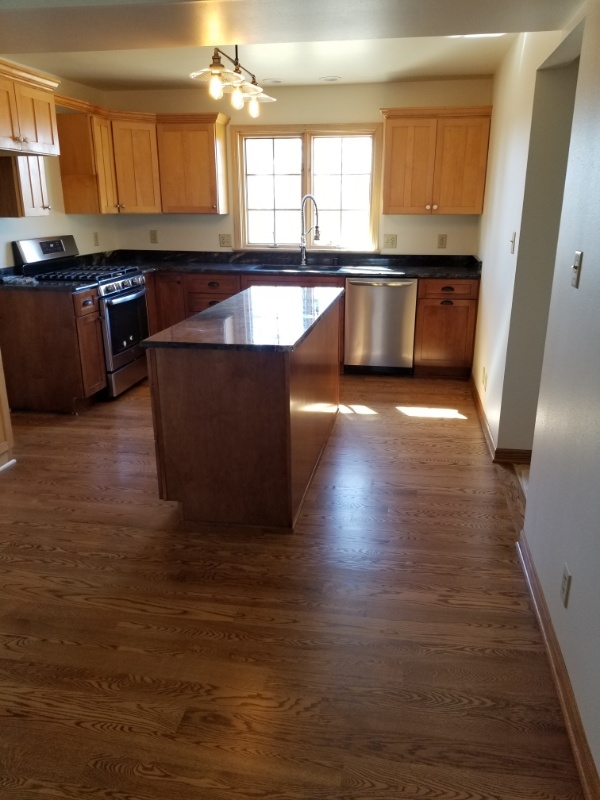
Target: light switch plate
[576,268]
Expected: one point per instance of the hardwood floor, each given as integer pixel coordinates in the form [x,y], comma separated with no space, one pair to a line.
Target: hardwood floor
[386,649]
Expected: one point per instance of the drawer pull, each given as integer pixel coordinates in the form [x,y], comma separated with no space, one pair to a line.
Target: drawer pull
[446,303]
[88,302]
[214,284]
[213,302]
[447,288]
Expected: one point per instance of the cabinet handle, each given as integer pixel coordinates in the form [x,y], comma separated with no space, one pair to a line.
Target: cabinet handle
[214,205]
[213,284]
[434,206]
[428,208]
[447,288]
[47,207]
[447,303]
[88,302]
[213,302]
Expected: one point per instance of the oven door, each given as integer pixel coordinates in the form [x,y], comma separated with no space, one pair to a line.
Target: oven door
[125,324]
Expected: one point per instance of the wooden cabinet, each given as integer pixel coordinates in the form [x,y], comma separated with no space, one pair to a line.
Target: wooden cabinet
[136,166]
[179,295]
[435,160]
[52,346]
[206,290]
[23,188]
[87,164]
[191,151]
[108,167]
[27,112]
[445,327]
[6,436]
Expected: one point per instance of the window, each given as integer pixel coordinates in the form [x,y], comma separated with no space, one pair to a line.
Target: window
[276,168]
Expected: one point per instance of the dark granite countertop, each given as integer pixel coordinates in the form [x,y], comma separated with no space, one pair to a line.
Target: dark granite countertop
[272,318]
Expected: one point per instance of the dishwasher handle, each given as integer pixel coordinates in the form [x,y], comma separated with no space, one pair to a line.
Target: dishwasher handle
[357,282]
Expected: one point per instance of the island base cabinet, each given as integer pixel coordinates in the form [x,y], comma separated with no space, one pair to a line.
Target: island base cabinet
[239,433]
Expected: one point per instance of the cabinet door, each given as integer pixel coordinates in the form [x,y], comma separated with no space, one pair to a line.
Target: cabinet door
[34,190]
[23,189]
[37,120]
[170,300]
[136,167]
[445,331]
[188,169]
[9,125]
[460,165]
[91,353]
[105,166]
[409,161]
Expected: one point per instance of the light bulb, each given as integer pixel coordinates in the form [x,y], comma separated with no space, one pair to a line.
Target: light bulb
[215,87]
[237,98]
[253,107]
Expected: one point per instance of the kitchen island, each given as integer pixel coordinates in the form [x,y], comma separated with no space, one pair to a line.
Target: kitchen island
[244,396]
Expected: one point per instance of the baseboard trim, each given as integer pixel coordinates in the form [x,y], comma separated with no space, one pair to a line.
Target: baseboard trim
[500,455]
[588,774]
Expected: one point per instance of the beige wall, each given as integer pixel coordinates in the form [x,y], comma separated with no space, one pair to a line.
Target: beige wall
[321,104]
[563,506]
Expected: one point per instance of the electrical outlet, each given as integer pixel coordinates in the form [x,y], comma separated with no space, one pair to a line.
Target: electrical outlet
[442,240]
[96,238]
[153,237]
[225,240]
[390,240]
[565,585]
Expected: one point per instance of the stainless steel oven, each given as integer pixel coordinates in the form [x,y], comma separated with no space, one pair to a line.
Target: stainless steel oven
[124,316]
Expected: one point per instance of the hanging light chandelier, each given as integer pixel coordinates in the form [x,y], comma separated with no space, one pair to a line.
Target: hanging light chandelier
[231,81]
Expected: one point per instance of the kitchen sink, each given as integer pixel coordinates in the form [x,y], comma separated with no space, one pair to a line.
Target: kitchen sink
[296,267]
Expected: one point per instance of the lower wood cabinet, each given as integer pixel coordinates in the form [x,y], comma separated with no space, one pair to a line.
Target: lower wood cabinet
[445,327]
[177,295]
[52,347]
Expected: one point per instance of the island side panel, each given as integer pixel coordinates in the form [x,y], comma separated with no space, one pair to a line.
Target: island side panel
[224,434]
[314,399]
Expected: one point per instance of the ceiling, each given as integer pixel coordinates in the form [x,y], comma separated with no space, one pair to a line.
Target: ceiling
[112,45]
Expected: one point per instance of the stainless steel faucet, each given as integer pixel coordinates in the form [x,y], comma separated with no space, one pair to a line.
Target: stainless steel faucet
[305,232]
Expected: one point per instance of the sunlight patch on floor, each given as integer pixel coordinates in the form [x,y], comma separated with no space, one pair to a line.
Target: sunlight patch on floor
[356,409]
[432,413]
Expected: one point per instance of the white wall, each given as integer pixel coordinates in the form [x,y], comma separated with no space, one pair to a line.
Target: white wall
[507,167]
[295,105]
[563,505]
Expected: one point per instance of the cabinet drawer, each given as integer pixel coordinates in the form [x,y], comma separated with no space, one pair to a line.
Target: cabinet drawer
[85,303]
[439,287]
[196,302]
[212,284]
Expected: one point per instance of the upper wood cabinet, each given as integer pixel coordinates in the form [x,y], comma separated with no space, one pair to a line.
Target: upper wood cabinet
[23,188]
[191,153]
[108,167]
[136,166]
[435,160]
[27,113]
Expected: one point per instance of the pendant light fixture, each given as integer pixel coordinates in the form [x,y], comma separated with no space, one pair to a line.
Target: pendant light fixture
[226,81]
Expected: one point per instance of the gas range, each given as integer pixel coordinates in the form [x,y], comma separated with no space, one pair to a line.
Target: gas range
[38,259]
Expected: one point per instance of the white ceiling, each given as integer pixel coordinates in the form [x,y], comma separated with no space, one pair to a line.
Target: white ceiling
[154,44]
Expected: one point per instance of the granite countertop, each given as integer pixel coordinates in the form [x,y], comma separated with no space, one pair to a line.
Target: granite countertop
[271,318]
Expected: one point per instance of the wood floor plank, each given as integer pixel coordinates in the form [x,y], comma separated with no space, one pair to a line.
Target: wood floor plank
[386,650]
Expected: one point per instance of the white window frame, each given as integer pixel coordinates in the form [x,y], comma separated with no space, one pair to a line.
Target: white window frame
[306,133]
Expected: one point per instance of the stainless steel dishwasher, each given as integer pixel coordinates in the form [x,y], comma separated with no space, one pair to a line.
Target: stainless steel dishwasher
[380,324]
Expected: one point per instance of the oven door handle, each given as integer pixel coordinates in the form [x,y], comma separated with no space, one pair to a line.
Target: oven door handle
[125,298]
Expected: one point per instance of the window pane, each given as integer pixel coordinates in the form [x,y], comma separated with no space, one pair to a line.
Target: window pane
[356,230]
[356,191]
[261,226]
[287,227]
[288,156]
[329,228]
[259,156]
[260,191]
[288,192]
[357,154]
[327,155]
[327,190]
